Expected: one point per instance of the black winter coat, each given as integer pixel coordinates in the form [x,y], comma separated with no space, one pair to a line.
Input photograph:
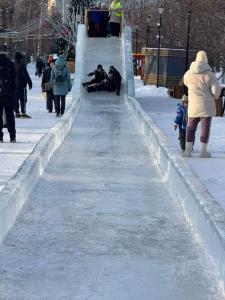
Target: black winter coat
[39,65]
[9,99]
[116,75]
[22,76]
[46,78]
[109,85]
[99,76]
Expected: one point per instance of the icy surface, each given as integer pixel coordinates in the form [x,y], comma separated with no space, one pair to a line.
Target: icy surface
[106,52]
[128,61]
[100,223]
[162,110]
[29,131]
[79,63]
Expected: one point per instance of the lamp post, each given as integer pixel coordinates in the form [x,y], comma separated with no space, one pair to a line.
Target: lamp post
[160,11]
[136,40]
[148,29]
[188,35]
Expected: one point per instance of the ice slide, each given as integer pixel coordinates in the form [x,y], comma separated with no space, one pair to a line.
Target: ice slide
[100,223]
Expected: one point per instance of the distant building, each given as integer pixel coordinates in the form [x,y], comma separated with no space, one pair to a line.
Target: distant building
[171,66]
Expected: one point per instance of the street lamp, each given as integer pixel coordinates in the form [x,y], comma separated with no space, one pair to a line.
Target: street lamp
[160,11]
[188,35]
[136,39]
[148,20]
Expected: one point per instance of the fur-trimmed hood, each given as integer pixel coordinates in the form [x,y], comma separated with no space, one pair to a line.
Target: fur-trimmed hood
[198,67]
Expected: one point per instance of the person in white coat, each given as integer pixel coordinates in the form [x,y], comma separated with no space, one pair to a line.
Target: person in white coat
[203,89]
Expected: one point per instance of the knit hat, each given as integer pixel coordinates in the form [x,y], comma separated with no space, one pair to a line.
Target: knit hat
[202,57]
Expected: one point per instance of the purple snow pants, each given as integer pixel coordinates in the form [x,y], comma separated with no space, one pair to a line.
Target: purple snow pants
[205,129]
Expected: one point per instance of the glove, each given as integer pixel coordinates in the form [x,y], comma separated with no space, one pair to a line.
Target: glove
[175,126]
[30,86]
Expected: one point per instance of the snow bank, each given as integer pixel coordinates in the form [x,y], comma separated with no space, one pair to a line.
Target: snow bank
[200,209]
[147,90]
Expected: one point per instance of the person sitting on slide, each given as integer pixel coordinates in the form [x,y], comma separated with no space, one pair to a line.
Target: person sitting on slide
[99,74]
[108,85]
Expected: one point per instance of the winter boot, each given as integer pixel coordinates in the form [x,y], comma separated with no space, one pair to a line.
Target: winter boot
[18,115]
[188,149]
[25,116]
[203,153]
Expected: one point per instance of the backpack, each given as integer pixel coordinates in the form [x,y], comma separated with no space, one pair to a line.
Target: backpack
[59,78]
[6,83]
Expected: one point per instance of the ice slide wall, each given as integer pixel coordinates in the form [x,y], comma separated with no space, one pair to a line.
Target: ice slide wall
[200,209]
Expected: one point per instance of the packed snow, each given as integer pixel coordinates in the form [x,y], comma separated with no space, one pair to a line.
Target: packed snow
[162,110]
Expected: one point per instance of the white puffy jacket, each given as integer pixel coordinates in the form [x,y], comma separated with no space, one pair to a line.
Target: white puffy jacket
[203,89]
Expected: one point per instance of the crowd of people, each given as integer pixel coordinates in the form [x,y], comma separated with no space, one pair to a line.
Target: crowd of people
[14,79]
[196,107]
[55,83]
[104,21]
[102,81]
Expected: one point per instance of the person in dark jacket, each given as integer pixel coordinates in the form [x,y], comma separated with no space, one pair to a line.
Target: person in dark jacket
[95,19]
[104,21]
[46,86]
[108,85]
[39,67]
[7,96]
[22,79]
[99,74]
[117,78]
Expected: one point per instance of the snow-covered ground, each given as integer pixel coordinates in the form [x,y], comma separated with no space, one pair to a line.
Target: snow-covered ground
[96,205]
[29,131]
[162,109]
[100,223]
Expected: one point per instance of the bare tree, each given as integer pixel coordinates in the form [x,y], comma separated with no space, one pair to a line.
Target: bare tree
[207,23]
